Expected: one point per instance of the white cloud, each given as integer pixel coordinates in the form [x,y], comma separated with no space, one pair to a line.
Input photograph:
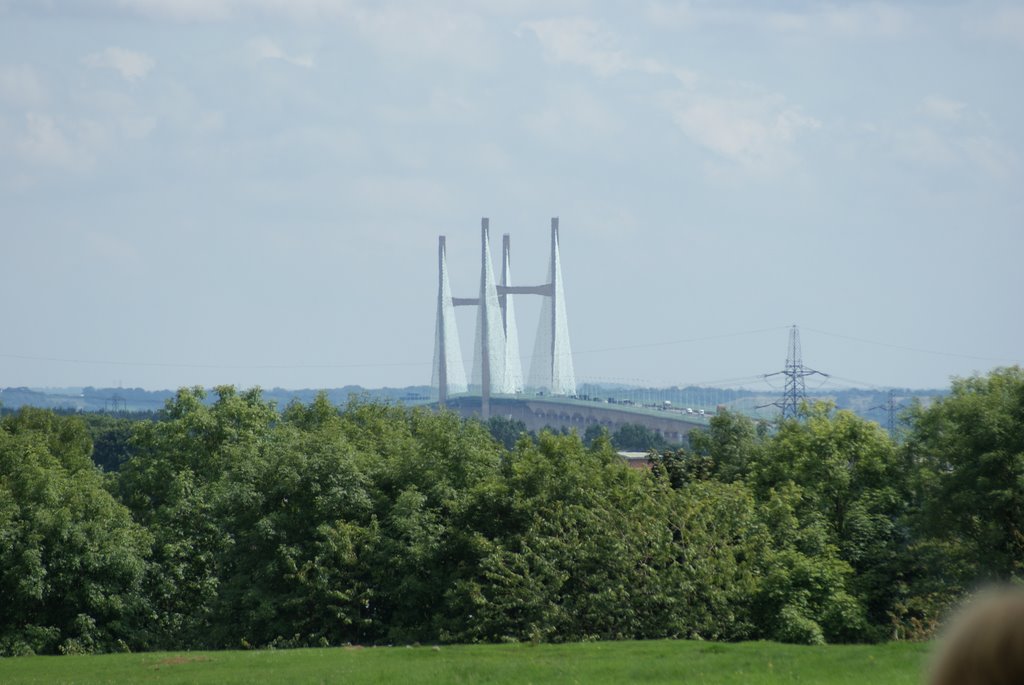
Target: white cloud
[924,146]
[425,31]
[854,19]
[408,195]
[111,248]
[180,10]
[967,145]
[137,127]
[130,64]
[453,30]
[786,22]
[754,132]
[95,125]
[182,110]
[490,156]
[45,143]
[583,42]
[304,10]
[265,48]
[211,11]
[868,19]
[319,10]
[1006,23]
[968,137]
[994,159]
[122,116]
[673,15]
[442,106]
[208,121]
[431,30]
[943,108]
[20,85]
[573,117]
[580,41]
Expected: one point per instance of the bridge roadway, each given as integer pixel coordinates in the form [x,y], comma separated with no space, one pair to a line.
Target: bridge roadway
[540,411]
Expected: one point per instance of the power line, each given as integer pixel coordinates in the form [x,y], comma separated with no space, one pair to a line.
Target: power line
[365,365]
[854,382]
[906,348]
[182,365]
[891,408]
[663,343]
[682,341]
[795,372]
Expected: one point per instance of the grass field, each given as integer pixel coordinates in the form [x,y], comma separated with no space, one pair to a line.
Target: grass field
[662,661]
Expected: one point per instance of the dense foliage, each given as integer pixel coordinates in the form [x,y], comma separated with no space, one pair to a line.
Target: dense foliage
[71,558]
[233,524]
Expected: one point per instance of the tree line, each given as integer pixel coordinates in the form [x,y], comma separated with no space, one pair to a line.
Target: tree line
[236,525]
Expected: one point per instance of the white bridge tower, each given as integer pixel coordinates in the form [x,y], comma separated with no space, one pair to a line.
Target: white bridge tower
[497,368]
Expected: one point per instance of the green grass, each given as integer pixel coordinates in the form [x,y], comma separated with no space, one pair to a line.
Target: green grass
[661,661]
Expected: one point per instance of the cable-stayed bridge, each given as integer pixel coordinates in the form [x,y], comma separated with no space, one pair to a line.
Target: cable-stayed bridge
[496,382]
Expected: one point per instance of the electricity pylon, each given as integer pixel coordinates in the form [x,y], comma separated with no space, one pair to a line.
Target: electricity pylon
[891,407]
[795,372]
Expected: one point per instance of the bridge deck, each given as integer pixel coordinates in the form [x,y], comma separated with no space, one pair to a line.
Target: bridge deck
[543,411]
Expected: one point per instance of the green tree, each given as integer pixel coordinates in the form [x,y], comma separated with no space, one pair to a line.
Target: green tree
[381,524]
[969,448]
[804,594]
[637,438]
[111,440]
[732,441]
[850,479]
[580,551]
[298,513]
[71,559]
[593,432]
[721,549]
[506,431]
[431,481]
[594,549]
[170,484]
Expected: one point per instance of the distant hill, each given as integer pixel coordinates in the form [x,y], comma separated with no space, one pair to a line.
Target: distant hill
[137,399]
[871,404]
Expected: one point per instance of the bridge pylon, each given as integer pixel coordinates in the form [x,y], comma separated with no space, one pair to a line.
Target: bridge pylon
[496,366]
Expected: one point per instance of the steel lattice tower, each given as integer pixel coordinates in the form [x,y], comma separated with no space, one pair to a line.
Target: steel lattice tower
[795,391]
[890,407]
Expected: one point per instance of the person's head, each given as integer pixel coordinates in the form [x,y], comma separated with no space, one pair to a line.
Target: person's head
[984,642]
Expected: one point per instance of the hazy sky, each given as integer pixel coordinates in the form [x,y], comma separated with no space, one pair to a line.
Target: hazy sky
[250,191]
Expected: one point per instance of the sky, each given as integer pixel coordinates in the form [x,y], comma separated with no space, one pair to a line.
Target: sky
[249,192]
